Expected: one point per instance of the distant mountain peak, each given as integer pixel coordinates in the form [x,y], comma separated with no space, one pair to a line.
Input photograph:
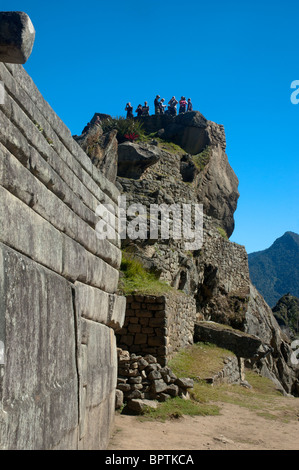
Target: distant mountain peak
[275,270]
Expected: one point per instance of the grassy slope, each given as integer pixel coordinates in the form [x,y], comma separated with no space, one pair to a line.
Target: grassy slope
[203,360]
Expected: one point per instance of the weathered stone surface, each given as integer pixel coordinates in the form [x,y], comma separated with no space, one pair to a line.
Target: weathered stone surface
[169,324]
[40,389]
[17,36]
[101,149]
[94,304]
[242,344]
[119,399]
[81,164]
[139,406]
[159,386]
[185,383]
[25,186]
[260,321]
[133,159]
[172,390]
[97,414]
[58,387]
[217,189]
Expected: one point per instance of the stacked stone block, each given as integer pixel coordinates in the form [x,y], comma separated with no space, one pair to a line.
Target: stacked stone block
[58,281]
[158,325]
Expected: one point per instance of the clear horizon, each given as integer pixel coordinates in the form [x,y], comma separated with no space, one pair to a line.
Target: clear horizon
[235,61]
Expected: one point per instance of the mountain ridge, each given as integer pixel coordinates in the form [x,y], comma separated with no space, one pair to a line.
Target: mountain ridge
[274,271]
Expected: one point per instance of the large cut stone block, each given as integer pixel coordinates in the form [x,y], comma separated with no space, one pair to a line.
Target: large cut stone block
[242,344]
[98,370]
[99,306]
[40,384]
[17,36]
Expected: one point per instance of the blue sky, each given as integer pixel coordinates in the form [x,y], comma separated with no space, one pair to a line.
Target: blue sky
[236,60]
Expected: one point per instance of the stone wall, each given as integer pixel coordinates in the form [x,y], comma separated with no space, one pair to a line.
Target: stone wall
[158,325]
[57,281]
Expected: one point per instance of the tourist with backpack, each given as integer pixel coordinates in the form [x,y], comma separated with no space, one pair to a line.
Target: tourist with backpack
[183,104]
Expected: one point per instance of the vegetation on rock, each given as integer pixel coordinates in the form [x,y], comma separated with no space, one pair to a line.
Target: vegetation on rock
[135,278]
[286,312]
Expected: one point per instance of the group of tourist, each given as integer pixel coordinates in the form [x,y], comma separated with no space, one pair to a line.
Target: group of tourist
[184,106]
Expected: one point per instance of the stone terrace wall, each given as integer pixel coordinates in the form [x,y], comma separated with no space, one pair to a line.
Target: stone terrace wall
[57,281]
[158,325]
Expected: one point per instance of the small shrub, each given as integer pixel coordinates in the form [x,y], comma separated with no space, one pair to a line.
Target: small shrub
[127,129]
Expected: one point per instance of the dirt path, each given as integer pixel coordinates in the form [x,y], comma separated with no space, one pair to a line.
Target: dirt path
[235,428]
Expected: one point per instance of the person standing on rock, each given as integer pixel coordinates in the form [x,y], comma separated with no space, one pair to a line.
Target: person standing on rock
[157,105]
[162,106]
[139,110]
[172,106]
[189,106]
[183,104]
[145,109]
[129,109]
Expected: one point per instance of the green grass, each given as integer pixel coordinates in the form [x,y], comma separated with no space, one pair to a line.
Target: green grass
[175,408]
[203,360]
[222,232]
[200,361]
[202,159]
[135,278]
[162,144]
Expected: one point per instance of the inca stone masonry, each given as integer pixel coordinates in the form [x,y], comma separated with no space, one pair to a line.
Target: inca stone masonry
[57,280]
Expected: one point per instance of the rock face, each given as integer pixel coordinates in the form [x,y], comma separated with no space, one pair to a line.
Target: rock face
[101,149]
[286,312]
[58,282]
[134,159]
[217,188]
[17,36]
[242,344]
[217,274]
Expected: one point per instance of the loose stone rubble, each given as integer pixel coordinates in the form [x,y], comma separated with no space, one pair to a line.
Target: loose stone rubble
[142,382]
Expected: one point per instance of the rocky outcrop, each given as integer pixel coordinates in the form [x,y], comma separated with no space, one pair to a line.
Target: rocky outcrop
[286,312]
[134,159]
[17,36]
[260,321]
[101,149]
[217,189]
[217,274]
[191,131]
[242,344]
